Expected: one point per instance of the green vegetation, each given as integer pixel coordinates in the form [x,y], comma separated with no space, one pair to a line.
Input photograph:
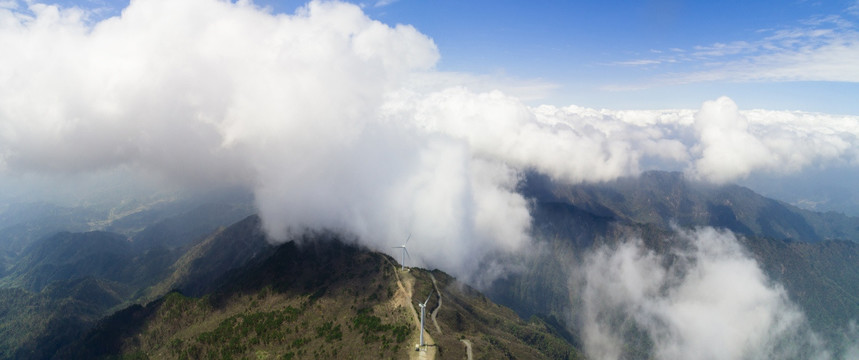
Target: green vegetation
[292,314]
[373,330]
[254,328]
[329,332]
[53,288]
[277,309]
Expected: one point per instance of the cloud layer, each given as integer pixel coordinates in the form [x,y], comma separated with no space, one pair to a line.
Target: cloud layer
[706,297]
[328,116]
[208,93]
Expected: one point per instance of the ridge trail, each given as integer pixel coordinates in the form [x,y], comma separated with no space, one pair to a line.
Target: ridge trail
[435,312]
[403,297]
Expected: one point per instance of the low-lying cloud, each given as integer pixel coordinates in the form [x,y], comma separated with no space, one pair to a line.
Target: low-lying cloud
[706,298]
[327,116]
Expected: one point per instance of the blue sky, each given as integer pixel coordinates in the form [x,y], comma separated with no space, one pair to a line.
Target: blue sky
[644,54]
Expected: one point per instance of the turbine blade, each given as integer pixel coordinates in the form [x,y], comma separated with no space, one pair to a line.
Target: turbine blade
[428,296]
[407,239]
[407,252]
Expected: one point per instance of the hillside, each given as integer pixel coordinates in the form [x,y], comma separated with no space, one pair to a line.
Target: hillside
[161,221]
[665,198]
[199,268]
[795,248]
[62,284]
[212,289]
[321,298]
[35,325]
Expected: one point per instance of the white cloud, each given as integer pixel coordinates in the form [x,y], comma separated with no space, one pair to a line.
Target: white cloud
[9,4]
[527,90]
[705,299]
[639,62]
[733,144]
[718,143]
[336,120]
[819,49]
[382,3]
[728,150]
[207,92]
[571,144]
[853,8]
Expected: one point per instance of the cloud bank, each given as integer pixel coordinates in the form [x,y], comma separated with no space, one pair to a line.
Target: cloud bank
[206,92]
[327,115]
[705,297]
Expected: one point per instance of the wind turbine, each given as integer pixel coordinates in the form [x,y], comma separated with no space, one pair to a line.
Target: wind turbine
[423,314]
[405,252]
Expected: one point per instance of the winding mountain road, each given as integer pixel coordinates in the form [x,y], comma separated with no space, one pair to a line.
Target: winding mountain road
[467,343]
[435,312]
[467,348]
[403,298]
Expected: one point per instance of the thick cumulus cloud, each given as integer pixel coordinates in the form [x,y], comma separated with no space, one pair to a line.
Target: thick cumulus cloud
[206,92]
[705,299]
[733,144]
[327,115]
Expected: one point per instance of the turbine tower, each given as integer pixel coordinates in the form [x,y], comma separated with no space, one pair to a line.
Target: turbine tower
[405,252]
[423,315]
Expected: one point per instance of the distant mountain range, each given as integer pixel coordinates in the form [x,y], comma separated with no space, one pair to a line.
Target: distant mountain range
[815,256]
[179,283]
[665,198]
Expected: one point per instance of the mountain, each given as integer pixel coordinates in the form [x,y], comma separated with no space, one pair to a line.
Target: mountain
[188,226]
[666,198]
[62,284]
[165,221]
[23,223]
[212,290]
[321,298]
[325,298]
[67,256]
[812,255]
[197,271]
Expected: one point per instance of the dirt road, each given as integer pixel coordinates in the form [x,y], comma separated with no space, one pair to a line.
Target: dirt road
[403,297]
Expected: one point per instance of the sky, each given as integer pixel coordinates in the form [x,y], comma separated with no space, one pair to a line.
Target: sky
[777,55]
[652,54]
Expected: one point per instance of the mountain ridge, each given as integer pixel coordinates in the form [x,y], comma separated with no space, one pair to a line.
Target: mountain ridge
[668,198]
[292,297]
